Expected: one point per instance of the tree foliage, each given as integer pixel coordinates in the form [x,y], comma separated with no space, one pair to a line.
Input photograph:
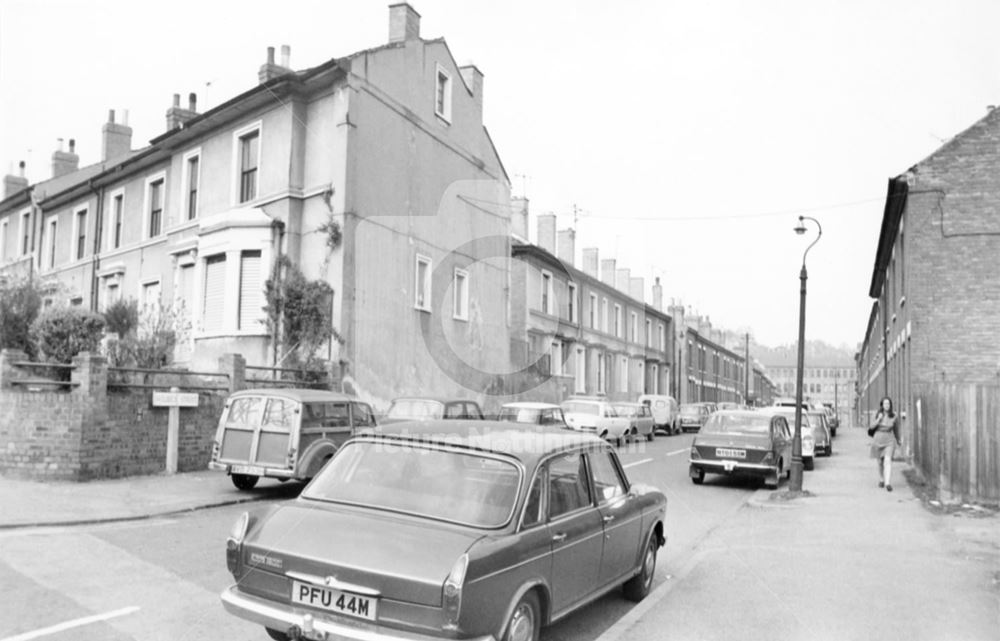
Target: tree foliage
[122,316]
[61,333]
[301,309]
[20,303]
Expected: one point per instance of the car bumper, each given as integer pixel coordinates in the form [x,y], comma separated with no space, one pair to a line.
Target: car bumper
[253,470]
[317,627]
[732,467]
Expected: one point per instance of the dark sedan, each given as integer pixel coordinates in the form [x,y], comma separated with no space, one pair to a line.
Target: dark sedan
[744,442]
[447,529]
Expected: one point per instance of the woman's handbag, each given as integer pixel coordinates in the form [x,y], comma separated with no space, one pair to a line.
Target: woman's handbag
[871,430]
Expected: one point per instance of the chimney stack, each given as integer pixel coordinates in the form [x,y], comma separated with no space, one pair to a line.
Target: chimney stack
[622,277]
[591,262]
[519,218]
[566,246]
[177,116]
[637,288]
[404,23]
[657,295]
[547,233]
[270,70]
[608,271]
[13,184]
[473,78]
[116,139]
[65,162]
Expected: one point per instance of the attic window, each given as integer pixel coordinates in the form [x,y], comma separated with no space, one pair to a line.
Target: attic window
[442,95]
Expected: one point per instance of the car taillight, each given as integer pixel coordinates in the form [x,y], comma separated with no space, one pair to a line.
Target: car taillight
[215,450]
[290,458]
[452,594]
[235,542]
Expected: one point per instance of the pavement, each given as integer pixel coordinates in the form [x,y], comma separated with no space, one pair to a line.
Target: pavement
[845,560]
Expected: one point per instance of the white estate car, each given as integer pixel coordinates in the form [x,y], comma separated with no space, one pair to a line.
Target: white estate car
[596,415]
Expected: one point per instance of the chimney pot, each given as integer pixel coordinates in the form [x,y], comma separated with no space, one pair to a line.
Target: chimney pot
[177,100]
[20,166]
[286,55]
[125,117]
[270,55]
[547,233]
[193,101]
[72,146]
[566,246]
[111,115]
[60,140]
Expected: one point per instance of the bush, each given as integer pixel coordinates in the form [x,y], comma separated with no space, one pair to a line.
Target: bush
[122,317]
[61,333]
[20,302]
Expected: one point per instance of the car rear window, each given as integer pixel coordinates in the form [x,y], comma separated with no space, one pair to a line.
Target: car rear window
[518,414]
[427,481]
[626,410]
[415,408]
[325,415]
[737,424]
[581,408]
[691,409]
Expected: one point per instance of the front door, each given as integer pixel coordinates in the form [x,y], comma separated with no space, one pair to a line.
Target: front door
[574,529]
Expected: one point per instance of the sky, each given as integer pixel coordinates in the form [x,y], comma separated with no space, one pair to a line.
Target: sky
[688,136]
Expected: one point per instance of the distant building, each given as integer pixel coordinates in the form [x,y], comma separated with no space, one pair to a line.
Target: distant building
[706,370]
[821,383]
[365,171]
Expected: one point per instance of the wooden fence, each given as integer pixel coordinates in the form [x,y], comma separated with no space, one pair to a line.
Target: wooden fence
[956,440]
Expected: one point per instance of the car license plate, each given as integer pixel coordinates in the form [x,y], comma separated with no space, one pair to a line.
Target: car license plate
[318,596]
[247,469]
[723,452]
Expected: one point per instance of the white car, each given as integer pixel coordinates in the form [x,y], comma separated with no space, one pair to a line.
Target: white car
[597,416]
[665,410]
[808,438]
[641,418]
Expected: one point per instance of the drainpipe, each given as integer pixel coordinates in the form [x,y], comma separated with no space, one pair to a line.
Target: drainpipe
[277,242]
[95,261]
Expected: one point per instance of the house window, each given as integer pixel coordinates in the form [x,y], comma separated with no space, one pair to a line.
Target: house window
[461,295]
[555,358]
[52,229]
[422,284]
[251,288]
[593,311]
[213,302]
[634,328]
[80,227]
[154,200]
[151,296]
[192,175]
[623,379]
[249,159]
[604,314]
[547,293]
[662,331]
[618,320]
[601,373]
[25,232]
[572,312]
[442,94]
[649,333]
[581,370]
[117,214]
[110,294]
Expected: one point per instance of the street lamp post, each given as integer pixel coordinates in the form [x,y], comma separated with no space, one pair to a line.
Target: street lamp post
[795,482]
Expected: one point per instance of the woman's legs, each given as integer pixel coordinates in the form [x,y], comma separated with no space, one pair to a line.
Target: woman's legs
[887,469]
[880,465]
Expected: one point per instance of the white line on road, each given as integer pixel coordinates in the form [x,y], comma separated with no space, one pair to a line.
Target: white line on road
[686,449]
[75,623]
[645,460]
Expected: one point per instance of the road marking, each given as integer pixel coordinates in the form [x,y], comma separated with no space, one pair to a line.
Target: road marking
[686,449]
[75,623]
[633,463]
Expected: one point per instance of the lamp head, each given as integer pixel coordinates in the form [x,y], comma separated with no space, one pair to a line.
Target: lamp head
[801,227]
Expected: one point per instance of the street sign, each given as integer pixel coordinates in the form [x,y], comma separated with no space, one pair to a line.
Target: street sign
[175,399]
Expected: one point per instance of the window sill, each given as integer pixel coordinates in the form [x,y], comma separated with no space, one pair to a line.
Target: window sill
[425,310]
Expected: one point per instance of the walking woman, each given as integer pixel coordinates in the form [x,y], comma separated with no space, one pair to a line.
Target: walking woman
[886,439]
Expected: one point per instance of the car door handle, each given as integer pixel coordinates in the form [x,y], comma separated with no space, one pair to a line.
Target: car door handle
[559,538]
[609,518]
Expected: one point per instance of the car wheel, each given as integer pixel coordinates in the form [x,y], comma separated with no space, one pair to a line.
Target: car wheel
[525,621]
[697,477]
[618,441]
[833,432]
[808,463]
[244,481]
[773,480]
[277,635]
[651,435]
[638,586]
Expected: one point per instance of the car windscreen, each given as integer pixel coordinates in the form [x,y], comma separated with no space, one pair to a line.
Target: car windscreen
[626,410]
[581,408]
[415,408]
[428,481]
[518,414]
[737,424]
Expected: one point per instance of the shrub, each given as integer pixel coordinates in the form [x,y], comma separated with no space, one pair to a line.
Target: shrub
[63,332]
[20,302]
[301,308]
[122,317]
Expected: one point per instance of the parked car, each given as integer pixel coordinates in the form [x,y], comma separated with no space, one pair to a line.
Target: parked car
[831,418]
[665,411]
[693,416]
[809,433]
[640,419]
[284,433]
[533,414]
[728,405]
[426,409]
[746,442]
[515,529]
[595,415]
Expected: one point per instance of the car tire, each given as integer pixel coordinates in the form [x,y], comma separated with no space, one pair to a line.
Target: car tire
[618,441]
[808,463]
[651,435]
[277,635]
[698,478]
[638,587]
[244,481]
[525,621]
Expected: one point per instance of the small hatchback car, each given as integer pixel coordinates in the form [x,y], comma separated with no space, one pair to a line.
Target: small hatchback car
[446,530]
[746,442]
[284,433]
